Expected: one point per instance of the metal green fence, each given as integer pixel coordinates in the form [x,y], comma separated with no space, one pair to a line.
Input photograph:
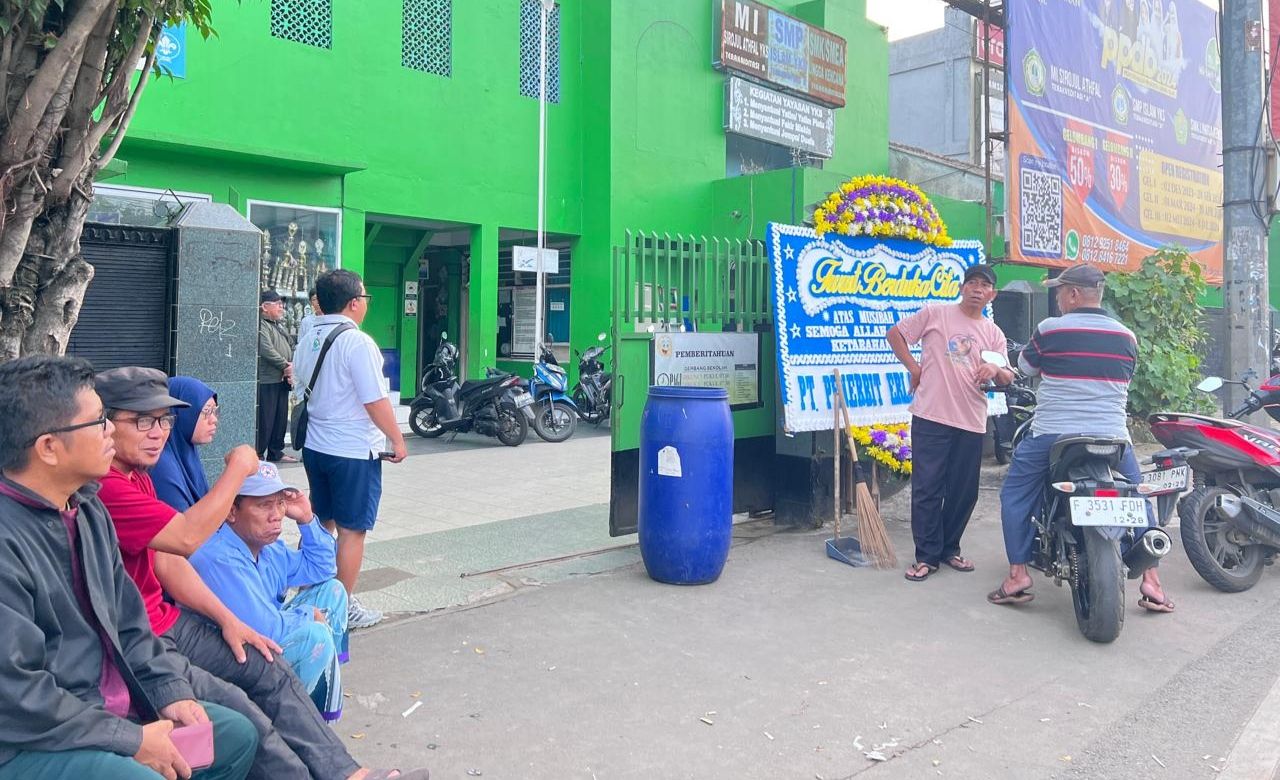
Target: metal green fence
[663,282]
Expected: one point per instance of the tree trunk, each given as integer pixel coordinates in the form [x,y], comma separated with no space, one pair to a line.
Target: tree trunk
[42,304]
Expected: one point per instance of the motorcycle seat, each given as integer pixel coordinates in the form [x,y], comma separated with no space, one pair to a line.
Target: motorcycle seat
[1070,451]
[476,384]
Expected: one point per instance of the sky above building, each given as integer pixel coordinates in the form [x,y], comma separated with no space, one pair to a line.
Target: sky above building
[905,18]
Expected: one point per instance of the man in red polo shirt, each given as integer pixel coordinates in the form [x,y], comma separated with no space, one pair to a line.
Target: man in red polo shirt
[154,542]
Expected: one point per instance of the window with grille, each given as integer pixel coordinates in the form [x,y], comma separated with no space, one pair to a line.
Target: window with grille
[530,49]
[308,22]
[427,41]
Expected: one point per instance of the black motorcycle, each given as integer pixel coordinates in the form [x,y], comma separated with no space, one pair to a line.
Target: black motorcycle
[1087,509]
[594,391]
[494,406]
[1020,398]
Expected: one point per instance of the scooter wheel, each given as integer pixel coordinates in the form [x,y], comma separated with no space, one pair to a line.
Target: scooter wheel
[512,427]
[423,421]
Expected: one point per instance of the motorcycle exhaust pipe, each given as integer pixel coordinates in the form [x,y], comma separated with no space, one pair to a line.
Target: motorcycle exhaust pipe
[1147,552]
[1250,517]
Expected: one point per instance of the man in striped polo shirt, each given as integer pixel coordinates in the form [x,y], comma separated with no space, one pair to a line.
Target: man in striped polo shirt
[1085,360]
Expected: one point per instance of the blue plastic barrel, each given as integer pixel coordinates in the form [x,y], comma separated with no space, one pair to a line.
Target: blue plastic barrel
[685,513]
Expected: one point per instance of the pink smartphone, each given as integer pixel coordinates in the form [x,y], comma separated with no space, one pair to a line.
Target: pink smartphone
[195,743]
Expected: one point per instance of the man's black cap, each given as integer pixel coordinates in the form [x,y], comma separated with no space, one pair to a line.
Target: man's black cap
[269,296]
[981,270]
[1082,275]
[135,389]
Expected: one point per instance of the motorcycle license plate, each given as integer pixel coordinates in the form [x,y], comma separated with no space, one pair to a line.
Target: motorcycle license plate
[1174,480]
[523,400]
[1092,510]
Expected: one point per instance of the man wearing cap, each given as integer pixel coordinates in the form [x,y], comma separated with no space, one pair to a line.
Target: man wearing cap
[86,689]
[1085,360]
[250,570]
[948,416]
[275,377]
[155,541]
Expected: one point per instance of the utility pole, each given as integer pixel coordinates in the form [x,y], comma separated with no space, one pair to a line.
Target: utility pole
[1244,266]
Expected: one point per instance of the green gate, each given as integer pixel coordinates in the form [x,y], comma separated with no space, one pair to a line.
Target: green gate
[672,284]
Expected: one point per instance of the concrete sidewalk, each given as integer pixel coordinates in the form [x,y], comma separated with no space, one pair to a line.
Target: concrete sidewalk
[471,505]
[795,666]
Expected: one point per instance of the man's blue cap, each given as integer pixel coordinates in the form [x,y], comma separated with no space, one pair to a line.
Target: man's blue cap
[265,483]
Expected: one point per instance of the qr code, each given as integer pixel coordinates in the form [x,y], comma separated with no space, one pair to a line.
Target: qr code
[1040,202]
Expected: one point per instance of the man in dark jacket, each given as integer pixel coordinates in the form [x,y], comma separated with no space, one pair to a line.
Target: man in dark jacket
[86,689]
[275,378]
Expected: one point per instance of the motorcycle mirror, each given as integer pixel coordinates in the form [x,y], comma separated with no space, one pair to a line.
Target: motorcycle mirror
[444,335]
[1209,384]
[995,358]
[601,337]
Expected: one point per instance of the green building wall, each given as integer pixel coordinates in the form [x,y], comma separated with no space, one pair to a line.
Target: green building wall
[635,143]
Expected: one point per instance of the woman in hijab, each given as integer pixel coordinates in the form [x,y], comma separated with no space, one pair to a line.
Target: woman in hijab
[179,478]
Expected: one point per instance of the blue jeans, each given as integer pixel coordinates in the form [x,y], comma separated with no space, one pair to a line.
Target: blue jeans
[234,744]
[316,650]
[1024,488]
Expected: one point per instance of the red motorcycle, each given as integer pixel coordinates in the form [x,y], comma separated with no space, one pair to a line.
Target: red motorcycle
[1230,521]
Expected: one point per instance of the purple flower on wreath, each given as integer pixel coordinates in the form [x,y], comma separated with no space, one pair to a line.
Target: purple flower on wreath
[904,453]
[878,437]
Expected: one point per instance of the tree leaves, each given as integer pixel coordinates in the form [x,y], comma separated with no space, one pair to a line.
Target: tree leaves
[1160,304]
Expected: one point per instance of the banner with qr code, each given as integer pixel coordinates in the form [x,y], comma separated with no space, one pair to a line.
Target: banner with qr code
[1115,132]
[835,299]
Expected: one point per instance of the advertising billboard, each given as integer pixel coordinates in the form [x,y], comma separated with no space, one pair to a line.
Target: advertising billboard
[1115,120]
[779,118]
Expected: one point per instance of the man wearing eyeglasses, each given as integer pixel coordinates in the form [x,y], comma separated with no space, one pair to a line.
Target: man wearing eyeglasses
[351,421]
[275,378]
[86,689]
[155,541]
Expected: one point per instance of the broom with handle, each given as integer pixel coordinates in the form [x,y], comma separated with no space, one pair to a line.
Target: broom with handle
[872,534]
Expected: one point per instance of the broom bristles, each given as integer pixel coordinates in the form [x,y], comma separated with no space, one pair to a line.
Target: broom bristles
[873,537]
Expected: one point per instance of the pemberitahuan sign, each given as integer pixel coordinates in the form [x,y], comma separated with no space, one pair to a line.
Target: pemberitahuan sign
[761,42]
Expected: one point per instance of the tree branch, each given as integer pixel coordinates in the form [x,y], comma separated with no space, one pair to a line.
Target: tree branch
[52,72]
[122,125]
[76,145]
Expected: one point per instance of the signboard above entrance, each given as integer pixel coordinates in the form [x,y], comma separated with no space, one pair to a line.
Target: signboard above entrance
[767,44]
[769,115]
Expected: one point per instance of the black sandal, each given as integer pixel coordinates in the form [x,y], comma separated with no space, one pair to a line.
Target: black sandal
[919,577]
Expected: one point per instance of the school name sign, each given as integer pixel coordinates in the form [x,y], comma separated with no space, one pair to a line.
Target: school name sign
[835,299]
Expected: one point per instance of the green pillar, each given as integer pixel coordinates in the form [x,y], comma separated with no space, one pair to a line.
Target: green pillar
[482,301]
[353,240]
[409,329]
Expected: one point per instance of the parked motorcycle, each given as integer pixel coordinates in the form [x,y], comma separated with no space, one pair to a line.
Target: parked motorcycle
[1088,508]
[1230,522]
[555,415]
[494,406]
[1021,402]
[593,393]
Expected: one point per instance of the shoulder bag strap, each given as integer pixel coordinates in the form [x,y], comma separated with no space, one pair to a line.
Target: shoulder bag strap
[324,350]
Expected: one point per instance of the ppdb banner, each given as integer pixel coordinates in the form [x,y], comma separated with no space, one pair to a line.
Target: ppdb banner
[1115,132]
[835,299]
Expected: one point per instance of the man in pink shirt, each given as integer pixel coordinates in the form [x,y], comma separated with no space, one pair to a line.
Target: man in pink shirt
[948,416]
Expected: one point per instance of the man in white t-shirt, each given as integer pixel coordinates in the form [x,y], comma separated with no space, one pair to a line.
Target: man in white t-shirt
[350,420]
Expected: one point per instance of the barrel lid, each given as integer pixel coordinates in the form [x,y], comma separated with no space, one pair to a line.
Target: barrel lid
[702,393]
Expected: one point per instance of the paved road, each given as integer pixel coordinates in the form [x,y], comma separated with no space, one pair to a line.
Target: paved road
[585,668]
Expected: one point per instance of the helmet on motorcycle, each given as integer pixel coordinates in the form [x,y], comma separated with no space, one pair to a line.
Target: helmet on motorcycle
[446,352]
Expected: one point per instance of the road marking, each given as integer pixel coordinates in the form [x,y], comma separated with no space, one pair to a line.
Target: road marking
[1256,753]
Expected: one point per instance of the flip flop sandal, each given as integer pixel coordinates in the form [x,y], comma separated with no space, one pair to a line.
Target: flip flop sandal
[920,577]
[998,596]
[1151,605]
[955,563]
